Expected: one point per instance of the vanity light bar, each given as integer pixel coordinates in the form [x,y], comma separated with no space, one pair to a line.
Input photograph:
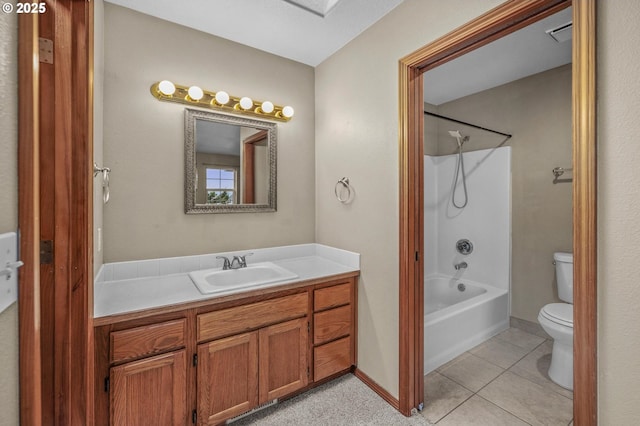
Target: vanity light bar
[195,96]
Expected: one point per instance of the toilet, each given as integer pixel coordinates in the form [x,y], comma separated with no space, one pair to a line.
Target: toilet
[557,320]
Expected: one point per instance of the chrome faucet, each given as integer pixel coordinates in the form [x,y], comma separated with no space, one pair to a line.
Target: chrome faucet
[237,262]
[461,265]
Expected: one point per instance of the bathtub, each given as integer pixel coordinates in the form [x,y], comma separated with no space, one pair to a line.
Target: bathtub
[456,321]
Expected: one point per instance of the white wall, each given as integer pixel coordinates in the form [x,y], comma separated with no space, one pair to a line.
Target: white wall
[485,220]
[618,211]
[9,209]
[357,137]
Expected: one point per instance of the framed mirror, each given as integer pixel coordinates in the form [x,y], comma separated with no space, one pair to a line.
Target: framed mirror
[230,164]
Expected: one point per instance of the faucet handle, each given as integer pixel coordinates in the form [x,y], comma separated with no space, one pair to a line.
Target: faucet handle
[243,260]
[227,262]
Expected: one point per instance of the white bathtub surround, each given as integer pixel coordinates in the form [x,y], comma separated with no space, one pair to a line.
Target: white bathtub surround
[123,287]
[458,320]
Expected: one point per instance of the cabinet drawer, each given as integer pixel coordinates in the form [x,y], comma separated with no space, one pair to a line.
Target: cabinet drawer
[331,324]
[147,340]
[331,358]
[239,319]
[330,297]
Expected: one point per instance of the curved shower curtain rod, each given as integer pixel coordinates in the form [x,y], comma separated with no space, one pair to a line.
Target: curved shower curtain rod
[467,124]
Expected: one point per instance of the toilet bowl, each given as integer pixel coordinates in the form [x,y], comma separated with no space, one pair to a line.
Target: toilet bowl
[557,320]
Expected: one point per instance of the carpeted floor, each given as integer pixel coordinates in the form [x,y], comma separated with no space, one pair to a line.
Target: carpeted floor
[344,401]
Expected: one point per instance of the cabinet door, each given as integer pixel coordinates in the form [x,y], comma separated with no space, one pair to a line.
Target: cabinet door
[284,364]
[227,377]
[150,391]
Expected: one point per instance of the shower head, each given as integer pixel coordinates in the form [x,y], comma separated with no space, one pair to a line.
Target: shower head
[456,134]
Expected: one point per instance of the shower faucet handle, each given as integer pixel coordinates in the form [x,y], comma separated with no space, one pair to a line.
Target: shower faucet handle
[464,246]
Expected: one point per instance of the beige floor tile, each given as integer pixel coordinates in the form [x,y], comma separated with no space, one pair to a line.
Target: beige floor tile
[472,372]
[453,361]
[535,367]
[499,352]
[442,395]
[477,411]
[521,338]
[528,401]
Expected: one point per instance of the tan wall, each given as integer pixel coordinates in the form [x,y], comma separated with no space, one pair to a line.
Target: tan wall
[98,102]
[357,137]
[618,207]
[536,110]
[144,140]
[9,209]
[431,125]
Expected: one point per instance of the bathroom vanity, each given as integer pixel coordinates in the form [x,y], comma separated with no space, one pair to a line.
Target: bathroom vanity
[215,358]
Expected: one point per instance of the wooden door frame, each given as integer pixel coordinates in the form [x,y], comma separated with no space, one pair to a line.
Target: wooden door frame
[498,22]
[72,141]
[248,165]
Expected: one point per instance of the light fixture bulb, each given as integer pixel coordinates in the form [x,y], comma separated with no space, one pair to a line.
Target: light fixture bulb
[195,93]
[288,111]
[267,107]
[222,97]
[166,87]
[246,103]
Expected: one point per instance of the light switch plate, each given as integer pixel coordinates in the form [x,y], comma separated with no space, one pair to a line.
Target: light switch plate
[8,283]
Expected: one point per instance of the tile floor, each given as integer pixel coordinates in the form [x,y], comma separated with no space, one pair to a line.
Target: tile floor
[502,381]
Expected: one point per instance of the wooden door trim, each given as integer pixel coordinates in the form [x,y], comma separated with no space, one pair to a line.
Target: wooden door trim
[73,256]
[585,362]
[248,166]
[29,222]
[496,23]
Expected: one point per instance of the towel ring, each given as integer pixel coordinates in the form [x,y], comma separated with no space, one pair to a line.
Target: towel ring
[345,183]
[104,171]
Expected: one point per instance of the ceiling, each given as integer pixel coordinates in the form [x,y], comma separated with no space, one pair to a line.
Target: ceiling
[309,31]
[294,29]
[520,54]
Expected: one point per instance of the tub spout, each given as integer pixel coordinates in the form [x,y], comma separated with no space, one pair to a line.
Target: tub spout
[461,265]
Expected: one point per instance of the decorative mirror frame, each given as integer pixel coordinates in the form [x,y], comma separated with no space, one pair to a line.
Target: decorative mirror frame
[190,206]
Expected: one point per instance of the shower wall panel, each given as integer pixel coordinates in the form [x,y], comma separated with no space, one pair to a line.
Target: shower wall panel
[485,221]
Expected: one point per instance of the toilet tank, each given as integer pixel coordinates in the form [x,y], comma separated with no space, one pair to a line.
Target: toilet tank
[564,275]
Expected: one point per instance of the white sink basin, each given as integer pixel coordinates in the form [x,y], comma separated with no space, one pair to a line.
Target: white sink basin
[218,280]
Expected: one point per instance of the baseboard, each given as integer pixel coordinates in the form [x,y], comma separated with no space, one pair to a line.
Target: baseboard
[529,327]
[377,388]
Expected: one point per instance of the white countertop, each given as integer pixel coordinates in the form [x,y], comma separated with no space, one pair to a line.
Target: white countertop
[126,287]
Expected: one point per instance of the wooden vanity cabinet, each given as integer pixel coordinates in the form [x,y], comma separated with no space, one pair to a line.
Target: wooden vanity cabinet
[208,363]
[151,391]
[238,373]
[334,329]
[146,373]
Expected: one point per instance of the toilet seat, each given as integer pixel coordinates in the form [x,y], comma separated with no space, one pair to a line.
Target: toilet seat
[559,313]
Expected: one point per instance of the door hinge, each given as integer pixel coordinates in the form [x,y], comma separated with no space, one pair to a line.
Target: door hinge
[106,384]
[45,50]
[417,256]
[194,417]
[308,327]
[46,252]
[195,360]
[308,371]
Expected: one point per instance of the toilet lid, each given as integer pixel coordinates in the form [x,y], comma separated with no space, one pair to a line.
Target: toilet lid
[560,313]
